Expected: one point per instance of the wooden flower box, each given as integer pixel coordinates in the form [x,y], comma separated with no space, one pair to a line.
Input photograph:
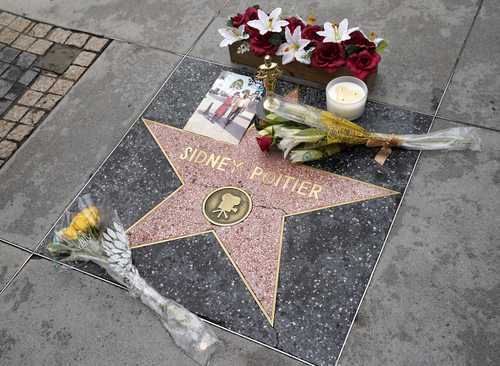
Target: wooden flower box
[294,69]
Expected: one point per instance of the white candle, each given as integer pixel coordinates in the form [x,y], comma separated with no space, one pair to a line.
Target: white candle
[346,97]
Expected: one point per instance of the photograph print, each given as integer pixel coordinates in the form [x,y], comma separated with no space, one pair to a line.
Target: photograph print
[227,109]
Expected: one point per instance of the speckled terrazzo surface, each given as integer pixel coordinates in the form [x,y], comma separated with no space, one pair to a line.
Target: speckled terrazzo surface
[327,256]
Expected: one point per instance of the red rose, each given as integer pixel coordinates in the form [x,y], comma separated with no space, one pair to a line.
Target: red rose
[260,45]
[251,13]
[264,142]
[294,22]
[243,18]
[252,32]
[358,39]
[309,32]
[328,56]
[238,20]
[363,63]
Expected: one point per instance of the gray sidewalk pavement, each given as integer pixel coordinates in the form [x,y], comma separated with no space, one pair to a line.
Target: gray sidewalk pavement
[434,297]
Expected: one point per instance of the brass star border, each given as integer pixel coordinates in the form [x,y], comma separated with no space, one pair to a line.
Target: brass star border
[270,315]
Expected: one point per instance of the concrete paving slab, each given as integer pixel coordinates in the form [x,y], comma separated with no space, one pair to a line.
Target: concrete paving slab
[424,41]
[474,94]
[74,319]
[434,296]
[11,259]
[47,171]
[170,25]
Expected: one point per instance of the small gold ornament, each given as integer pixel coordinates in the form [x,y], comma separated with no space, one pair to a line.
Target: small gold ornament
[311,19]
[268,72]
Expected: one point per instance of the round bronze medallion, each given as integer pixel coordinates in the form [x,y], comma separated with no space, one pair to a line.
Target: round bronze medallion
[227,206]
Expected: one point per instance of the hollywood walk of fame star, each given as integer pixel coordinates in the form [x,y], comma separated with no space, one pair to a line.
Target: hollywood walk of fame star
[277,189]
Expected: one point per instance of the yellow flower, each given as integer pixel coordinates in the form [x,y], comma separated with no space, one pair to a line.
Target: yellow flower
[70,233]
[92,215]
[80,223]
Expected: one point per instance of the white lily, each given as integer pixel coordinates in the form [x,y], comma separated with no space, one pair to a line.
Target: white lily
[232,35]
[294,47]
[373,38]
[268,23]
[337,33]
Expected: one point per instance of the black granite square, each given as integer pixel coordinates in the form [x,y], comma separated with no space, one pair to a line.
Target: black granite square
[8,54]
[58,58]
[3,67]
[28,77]
[25,59]
[5,86]
[327,256]
[13,73]
[15,92]
[4,105]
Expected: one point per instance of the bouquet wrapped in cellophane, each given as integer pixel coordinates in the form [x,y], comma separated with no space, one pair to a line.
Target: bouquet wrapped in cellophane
[86,235]
[305,133]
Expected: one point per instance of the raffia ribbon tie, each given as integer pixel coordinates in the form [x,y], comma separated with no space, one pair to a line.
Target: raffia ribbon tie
[385,141]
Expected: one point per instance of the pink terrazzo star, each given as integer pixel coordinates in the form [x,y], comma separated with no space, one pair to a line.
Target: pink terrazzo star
[277,188]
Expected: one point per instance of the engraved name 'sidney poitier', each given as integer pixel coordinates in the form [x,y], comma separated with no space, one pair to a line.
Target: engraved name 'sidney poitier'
[241,196]
[279,180]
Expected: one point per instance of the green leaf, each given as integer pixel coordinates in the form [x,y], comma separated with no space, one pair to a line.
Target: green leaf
[381,46]
[352,48]
[311,132]
[271,117]
[275,39]
[229,22]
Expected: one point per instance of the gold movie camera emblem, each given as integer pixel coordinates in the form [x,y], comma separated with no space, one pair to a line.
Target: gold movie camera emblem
[227,206]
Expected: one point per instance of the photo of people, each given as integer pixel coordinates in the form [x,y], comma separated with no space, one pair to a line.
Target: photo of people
[227,109]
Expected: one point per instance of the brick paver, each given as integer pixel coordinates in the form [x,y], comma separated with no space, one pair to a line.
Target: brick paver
[16,113]
[20,133]
[39,64]
[77,39]
[96,44]
[48,101]
[30,98]
[59,35]
[85,58]
[23,42]
[7,148]
[20,24]
[32,117]
[40,30]
[74,72]
[6,18]
[43,83]
[61,86]
[5,127]
[8,35]
[40,46]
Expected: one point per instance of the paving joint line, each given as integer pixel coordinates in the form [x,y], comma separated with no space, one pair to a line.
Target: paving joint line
[15,245]
[187,55]
[134,119]
[493,129]
[115,38]
[34,252]
[403,195]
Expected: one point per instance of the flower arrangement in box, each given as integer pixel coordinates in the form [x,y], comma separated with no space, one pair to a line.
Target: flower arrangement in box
[306,49]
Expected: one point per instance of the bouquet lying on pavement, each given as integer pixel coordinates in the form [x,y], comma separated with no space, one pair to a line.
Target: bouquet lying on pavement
[88,237]
[305,133]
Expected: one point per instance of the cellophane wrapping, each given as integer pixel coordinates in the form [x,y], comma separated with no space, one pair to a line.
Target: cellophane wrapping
[305,133]
[93,234]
